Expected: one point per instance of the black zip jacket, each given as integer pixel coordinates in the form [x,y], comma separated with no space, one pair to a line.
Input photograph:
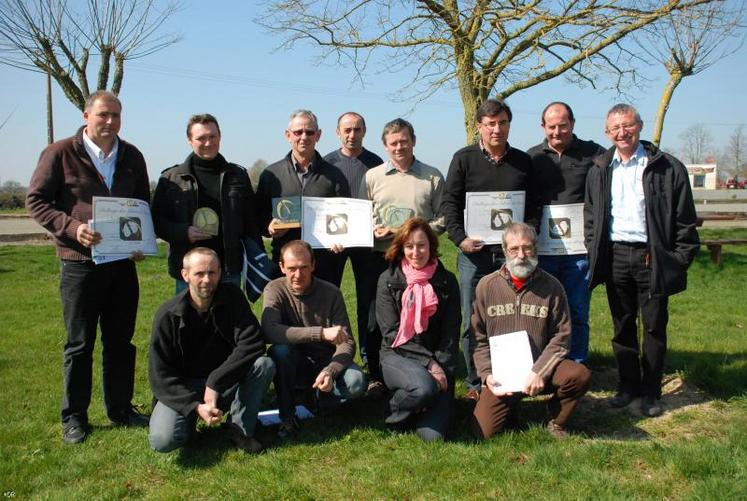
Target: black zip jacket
[673,240]
[440,341]
[280,180]
[235,339]
[175,202]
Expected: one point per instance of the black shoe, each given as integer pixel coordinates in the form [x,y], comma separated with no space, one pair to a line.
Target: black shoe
[288,429]
[651,407]
[74,434]
[130,417]
[244,442]
[621,399]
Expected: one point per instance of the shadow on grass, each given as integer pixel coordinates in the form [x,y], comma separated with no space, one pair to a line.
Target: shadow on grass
[205,448]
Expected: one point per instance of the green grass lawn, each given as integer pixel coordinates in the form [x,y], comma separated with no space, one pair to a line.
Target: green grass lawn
[696,450]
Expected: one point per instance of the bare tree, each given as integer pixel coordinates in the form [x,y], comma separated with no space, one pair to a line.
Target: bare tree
[688,42]
[50,37]
[735,155]
[697,144]
[256,170]
[477,46]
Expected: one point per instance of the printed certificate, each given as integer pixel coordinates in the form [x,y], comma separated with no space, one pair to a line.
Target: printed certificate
[125,225]
[561,230]
[330,221]
[486,214]
[511,360]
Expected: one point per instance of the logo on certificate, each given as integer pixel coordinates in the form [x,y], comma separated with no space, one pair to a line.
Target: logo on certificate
[500,218]
[559,228]
[130,229]
[337,224]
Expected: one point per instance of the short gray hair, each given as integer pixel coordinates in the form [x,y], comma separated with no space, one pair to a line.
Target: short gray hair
[205,251]
[104,95]
[307,114]
[521,229]
[622,108]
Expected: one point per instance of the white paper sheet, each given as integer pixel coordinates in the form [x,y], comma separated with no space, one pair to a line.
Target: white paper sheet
[511,360]
[272,416]
[488,213]
[330,221]
[561,230]
[125,225]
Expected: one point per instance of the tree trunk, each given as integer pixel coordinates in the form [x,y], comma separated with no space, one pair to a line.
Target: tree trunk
[674,80]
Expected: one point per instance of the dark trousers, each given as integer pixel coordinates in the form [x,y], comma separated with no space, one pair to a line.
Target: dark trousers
[360,259]
[376,266]
[628,291]
[329,266]
[472,267]
[568,384]
[106,294]
[415,393]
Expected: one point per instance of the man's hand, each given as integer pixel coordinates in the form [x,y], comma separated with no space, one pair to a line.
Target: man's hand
[276,233]
[534,384]
[470,245]
[437,372]
[194,234]
[334,335]
[495,387]
[381,231]
[323,382]
[208,410]
[137,256]
[336,248]
[86,236]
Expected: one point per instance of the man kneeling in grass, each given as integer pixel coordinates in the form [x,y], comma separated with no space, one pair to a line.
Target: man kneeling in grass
[517,297]
[206,356]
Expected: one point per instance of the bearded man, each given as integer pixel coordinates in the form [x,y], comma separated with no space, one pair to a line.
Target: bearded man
[520,296]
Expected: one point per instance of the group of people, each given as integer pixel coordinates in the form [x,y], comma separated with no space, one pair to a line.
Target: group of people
[208,352]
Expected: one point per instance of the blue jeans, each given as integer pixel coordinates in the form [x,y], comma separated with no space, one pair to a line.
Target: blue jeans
[170,430]
[295,369]
[573,273]
[472,267]
[226,278]
[415,390]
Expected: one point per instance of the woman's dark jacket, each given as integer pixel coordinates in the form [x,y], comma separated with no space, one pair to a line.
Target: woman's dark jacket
[440,341]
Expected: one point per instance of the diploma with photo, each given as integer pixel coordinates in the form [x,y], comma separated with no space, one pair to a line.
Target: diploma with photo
[486,214]
[125,225]
[561,230]
[511,360]
[343,221]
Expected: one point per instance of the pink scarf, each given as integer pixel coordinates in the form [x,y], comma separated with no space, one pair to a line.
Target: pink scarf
[419,302]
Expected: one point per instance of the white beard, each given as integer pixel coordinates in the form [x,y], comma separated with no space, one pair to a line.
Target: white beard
[522,268]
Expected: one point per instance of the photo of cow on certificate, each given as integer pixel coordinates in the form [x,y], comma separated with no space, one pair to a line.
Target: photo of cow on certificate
[561,230]
[486,214]
[343,221]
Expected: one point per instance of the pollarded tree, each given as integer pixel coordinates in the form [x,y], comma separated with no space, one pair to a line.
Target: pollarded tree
[482,47]
[49,36]
[688,42]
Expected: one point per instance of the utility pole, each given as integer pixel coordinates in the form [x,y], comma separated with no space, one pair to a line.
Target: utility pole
[50,121]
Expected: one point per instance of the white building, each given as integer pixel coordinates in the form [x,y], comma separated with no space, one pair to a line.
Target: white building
[702,176]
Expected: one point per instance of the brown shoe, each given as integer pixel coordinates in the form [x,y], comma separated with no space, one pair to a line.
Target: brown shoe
[473,395]
[376,389]
[556,430]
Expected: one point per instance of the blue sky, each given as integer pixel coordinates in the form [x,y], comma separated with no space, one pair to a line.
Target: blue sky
[225,65]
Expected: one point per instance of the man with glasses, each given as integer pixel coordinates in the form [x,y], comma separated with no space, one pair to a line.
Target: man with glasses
[640,231]
[561,162]
[522,297]
[303,172]
[218,191]
[490,165]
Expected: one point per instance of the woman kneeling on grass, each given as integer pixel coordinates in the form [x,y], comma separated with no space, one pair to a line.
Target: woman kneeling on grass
[417,308]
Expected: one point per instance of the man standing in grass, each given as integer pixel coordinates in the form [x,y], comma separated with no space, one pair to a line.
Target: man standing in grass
[354,161]
[93,162]
[561,162]
[306,321]
[640,231]
[206,356]
[522,297]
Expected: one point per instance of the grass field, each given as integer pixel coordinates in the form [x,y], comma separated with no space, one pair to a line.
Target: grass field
[696,450]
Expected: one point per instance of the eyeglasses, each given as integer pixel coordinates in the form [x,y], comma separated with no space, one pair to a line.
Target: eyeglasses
[625,127]
[514,251]
[496,125]
[302,132]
